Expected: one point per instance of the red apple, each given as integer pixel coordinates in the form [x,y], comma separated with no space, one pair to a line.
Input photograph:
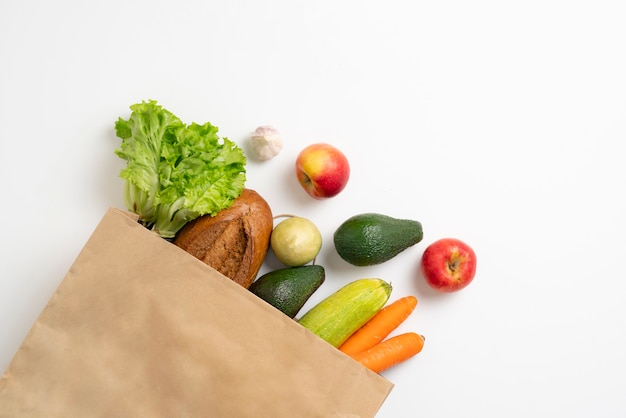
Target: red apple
[322,170]
[448,265]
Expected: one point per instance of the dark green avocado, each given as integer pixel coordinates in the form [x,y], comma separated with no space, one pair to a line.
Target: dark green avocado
[288,289]
[372,238]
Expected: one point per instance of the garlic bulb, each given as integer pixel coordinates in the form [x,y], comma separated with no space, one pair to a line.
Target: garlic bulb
[266,142]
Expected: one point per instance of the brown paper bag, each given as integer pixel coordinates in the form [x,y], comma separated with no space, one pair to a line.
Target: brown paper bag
[139,328]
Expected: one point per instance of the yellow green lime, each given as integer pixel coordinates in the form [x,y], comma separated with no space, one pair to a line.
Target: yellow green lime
[296,241]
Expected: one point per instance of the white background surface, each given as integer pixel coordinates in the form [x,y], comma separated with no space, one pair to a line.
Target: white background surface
[500,123]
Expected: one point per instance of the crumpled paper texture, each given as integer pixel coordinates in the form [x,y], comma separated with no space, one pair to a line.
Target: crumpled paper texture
[139,328]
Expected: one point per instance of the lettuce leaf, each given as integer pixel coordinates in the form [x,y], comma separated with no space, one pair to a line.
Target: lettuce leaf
[176,172]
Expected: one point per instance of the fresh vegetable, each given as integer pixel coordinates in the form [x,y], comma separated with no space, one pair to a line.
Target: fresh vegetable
[266,143]
[339,315]
[289,288]
[380,326]
[176,172]
[390,352]
[372,238]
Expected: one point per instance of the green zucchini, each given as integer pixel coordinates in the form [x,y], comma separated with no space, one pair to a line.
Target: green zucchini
[337,317]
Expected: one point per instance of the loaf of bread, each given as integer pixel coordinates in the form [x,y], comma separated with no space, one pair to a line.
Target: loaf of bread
[233,242]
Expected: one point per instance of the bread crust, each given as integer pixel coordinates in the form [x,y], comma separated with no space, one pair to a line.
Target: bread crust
[233,242]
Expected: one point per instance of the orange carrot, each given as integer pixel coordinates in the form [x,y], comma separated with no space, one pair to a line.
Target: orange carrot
[381,325]
[391,352]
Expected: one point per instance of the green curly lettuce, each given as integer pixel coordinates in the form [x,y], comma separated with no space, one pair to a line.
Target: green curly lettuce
[176,172]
